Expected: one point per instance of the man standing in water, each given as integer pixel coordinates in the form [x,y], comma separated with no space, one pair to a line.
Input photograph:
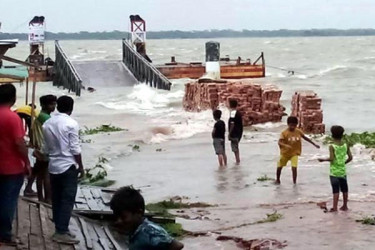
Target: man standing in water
[14,161]
[65,164]
[235,129]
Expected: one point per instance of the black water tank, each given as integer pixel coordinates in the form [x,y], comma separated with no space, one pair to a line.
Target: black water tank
[212,51]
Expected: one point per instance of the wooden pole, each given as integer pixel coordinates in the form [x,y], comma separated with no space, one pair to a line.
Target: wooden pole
[27,91]
[33,100]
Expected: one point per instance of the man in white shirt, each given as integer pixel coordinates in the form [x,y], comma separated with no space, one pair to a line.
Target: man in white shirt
[65,164]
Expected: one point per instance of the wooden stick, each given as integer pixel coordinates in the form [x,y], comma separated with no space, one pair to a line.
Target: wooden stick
[13,60]
[33,100]
[27,91]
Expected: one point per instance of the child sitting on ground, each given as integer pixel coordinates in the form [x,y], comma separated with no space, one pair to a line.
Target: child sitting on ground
[218,136]
[339,156]
[128,207]
[290,144]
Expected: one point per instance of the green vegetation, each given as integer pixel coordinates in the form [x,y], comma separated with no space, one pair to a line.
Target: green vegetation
[271,218]
[97,176]
[366,138]
[162,207]
[264,178]
[213,33]
[367,220]
[105,128]
[174,229]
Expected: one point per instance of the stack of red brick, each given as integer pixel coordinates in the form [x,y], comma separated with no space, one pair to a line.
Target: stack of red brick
[258,104]
[306,106]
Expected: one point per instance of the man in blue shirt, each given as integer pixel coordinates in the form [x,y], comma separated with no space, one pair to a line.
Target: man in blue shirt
[128,206]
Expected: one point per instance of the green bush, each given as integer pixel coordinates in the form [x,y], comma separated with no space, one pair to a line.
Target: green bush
[366,138]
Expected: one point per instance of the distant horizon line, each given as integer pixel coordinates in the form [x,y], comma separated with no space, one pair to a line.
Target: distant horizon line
[213,33]
[202,30]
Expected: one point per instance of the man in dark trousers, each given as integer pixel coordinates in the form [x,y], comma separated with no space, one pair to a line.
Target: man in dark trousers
[235,128]
[14,161]
[65,166]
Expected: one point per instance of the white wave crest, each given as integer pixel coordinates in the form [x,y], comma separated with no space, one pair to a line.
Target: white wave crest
[143,99]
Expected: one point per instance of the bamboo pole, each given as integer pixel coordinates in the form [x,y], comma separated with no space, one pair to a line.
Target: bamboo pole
[27,91]
[33,100]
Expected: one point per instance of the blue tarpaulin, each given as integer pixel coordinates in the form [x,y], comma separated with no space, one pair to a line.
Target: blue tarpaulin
[17,72]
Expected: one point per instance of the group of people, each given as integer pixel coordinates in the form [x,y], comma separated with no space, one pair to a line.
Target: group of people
[290,144]
[235,127]
[35,132]
[54,139]
[58,164]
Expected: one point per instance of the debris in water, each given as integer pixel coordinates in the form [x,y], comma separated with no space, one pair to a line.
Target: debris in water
[323,205]
[91,89]
[367,220]
[105,128]
[255,244]
[97,176]
[163,206]
[275,216]
[136,148]
[265,178]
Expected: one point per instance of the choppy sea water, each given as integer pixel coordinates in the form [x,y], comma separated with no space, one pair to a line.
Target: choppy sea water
[340,69]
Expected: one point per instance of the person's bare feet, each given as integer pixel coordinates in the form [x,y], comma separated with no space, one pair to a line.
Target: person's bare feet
[333,210]
[344,208]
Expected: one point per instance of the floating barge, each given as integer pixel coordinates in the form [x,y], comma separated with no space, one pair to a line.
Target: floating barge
[229,69]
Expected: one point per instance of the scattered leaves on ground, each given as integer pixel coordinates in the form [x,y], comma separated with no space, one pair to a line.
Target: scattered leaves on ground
[265,178]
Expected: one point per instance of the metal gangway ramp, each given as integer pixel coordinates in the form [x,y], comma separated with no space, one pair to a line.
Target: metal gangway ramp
[131,70]
[104,73]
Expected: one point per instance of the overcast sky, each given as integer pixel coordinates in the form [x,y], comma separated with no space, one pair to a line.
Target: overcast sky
[108,15]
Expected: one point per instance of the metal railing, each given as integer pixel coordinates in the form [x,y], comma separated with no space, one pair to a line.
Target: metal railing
[65,73]
[143,70]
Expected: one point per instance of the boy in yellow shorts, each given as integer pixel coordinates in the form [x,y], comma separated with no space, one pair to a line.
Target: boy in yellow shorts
[290,144]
